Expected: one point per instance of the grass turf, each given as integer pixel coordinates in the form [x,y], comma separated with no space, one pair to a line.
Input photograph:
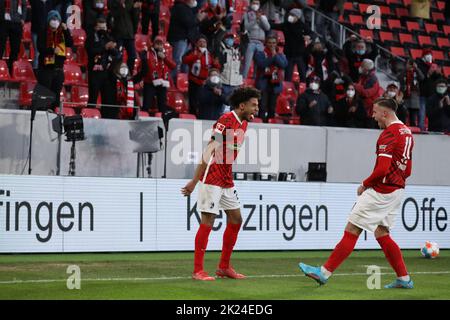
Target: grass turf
[274,275]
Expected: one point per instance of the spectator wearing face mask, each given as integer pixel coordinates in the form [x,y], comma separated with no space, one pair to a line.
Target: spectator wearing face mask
[92,9]
[102,50]
[215,24]
[313,105]
[199,61]
[156,66]
[438,108]
[294,30]
[393,92]
[270,64]
[52,44]
[431,73]
[230,58]
[255,25]
[368,87]
[211,97]
[349,110]
[356,51]
[409,83]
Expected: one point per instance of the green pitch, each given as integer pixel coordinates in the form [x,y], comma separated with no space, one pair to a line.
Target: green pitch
[272,275]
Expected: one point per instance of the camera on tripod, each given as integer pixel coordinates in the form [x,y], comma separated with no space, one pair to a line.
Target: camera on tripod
[74,128]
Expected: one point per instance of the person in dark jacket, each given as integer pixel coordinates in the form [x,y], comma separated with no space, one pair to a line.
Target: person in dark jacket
[125,18]
[39,12]
[150,13]
[183,29]
[294,30]
[53,42]
[356,51]
[12,18]
[438,108]
[349,111]
[92,9]
[211,97]
[102,50]
[270,64]
[215,24]
[61,6]
[313,105]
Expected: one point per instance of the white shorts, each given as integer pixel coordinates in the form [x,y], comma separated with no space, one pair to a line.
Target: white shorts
[373,209]
[213,198]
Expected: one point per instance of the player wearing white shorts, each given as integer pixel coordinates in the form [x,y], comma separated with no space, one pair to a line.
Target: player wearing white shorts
[379,198]
[215,177]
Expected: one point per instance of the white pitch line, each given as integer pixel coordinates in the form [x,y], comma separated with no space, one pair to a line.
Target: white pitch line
[186,278]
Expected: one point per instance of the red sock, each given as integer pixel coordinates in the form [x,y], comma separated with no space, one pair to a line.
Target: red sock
[229,240]
[393,255]
[201,242]
[341,251]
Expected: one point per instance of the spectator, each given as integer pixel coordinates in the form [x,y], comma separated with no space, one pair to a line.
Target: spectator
[420,9]
[271,64]
[356,51]
[438,108]
[331,9]
[156,66]
[39,12]
[150,13]
[431,74]
[349,110]
[335,86]
[447,12]
[52,44]
[200,61]
[211,97]
[320,61]
[368,87]
[12,18]
[61,6]
[313,105]
[102,50]
[294,30]
[182,30]
[272,10]
[125,17]
[409,82]
[230,58]
[92,10]
[288,5]
[255,26]
[215,24]
[393,92]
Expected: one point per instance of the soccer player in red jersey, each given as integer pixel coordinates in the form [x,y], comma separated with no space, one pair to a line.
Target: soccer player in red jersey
[379,198]
[215,178]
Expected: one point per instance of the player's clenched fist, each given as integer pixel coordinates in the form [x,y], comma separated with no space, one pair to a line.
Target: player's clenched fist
[189,188]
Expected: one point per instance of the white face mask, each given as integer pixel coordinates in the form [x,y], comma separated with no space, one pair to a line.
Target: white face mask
[202,50]
[123,71]
[314,86]
[361,70]
[99,5]
[350,93]
[215,79]
[291,19]
[428,58]
[54,24]
[193,4]
[255,7]
[391,94]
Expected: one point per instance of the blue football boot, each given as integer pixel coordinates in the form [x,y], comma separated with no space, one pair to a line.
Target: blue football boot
[313,272]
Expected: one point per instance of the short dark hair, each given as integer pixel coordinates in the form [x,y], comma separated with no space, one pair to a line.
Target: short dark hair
[100,19]
[387,103]
[243,94]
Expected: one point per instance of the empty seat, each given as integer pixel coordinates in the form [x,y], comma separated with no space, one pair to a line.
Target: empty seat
[176,101]
[425,41]
[356,20]
[25,93]
[394,24]
[283,107]
[257,120]
[366,33]
[415,53]
[91,113]
[141,42]
[78,37]
[80,96]
[348,5]
[82,57]
[26,33]
[443,42]
[143,114]
[276,121]
[182,82]
[386,36]
[440,5]
[23,71]
[67,111]
[294,120]
[187,116]
[415,129]
[431,28]
[438,55]
[446,30]
[405,38]
[4,73]
[72,74]
[289,90]
[398,51]
[446,71]
[412,26]
[401,12]
[438,17]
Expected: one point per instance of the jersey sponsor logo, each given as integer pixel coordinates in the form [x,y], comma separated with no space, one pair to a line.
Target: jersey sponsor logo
[382,147]
[219,128]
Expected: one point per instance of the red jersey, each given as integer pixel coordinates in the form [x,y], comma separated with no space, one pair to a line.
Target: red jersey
[229,130]
[395,142]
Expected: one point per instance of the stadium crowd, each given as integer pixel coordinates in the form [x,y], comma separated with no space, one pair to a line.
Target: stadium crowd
[189,55]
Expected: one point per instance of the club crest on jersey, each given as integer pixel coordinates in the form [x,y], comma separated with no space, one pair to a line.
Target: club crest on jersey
[219,128]
[382,147]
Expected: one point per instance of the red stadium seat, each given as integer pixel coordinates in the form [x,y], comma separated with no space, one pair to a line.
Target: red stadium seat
[425,41]
[187,116]
[431,28]
[82,57]
[438,55]
[394,2]
[257,120]
[412,26]
[283,107]
[301,88]
[446,30]
[415,53]
[406,38]
[289,91]
[398,51]
[366,33]
[143,114]
[348,6]
[70,57]
[91,113]
[438,17]
[67,111]
[401,12]
[25,93]
[440,5]
[72,75]
[23,71]
[182,82]
[78,37]
[237,17]
[386,36]
[4,73]
[394,24]
[280,38]
[446,71]
[141,41]
[275,121]
[26,35]
[80,96]
[415,129]
[356,19]
[176,101]
[294,120]
[443,42]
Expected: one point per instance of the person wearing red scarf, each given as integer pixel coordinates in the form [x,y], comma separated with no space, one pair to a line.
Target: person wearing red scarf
[52,44]
[271,64]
